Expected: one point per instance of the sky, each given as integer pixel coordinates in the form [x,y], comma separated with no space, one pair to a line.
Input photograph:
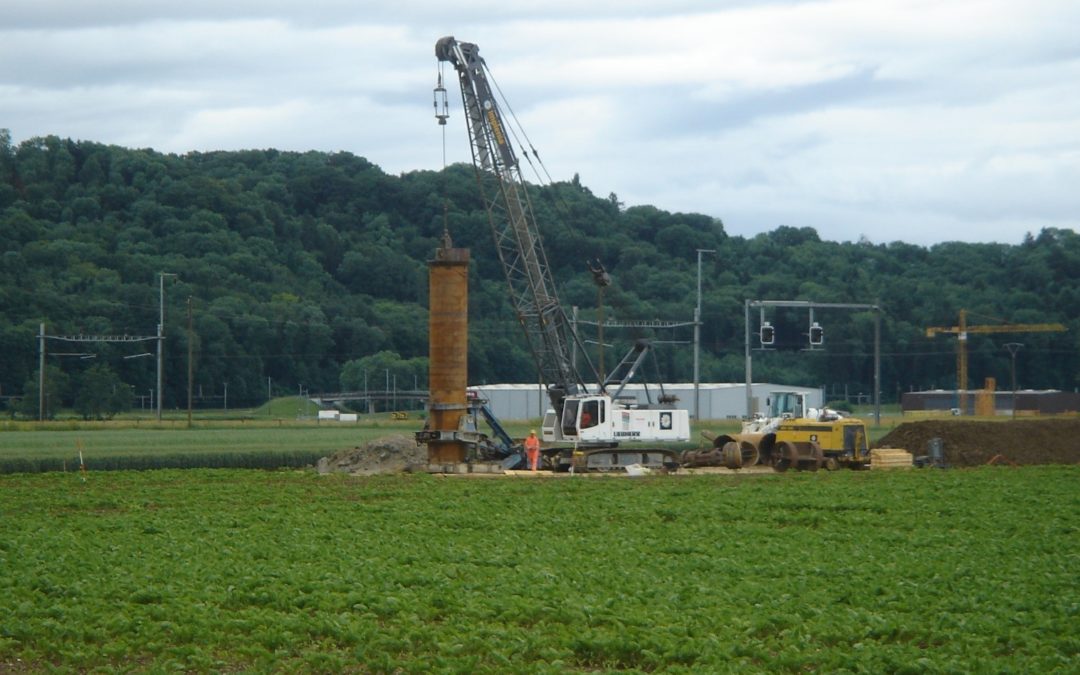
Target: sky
[920,121]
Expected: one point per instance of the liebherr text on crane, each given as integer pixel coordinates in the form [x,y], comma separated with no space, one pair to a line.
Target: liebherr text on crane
[592,421]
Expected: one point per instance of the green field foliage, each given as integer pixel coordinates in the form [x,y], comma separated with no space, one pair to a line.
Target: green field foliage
[233,571]
[253,442]
[108,446]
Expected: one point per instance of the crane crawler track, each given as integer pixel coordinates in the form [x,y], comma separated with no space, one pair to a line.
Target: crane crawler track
[613,458]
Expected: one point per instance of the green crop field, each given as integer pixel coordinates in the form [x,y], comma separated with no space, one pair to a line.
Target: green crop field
[286,571]
[254,442]
[118,445]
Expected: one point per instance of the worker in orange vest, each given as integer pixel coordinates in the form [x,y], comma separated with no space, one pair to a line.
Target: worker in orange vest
[532,450]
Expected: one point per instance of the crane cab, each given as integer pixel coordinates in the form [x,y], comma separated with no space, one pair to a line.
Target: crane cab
[786,404]
[596,419]
[586,419]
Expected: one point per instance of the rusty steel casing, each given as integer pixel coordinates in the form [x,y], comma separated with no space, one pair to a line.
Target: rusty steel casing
[448,348]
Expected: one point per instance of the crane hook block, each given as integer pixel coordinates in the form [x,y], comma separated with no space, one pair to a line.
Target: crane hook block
[442,107]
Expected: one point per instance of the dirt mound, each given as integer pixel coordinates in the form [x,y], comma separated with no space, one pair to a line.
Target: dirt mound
[389,454]
[1051,441]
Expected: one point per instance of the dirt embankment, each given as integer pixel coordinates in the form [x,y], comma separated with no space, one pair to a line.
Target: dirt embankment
[966,443]
[389,454]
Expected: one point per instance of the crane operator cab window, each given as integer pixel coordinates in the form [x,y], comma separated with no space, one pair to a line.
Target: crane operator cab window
[591,412]
[582,414]
[786,404]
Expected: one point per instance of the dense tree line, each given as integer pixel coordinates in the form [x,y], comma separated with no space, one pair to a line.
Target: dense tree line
[307,271]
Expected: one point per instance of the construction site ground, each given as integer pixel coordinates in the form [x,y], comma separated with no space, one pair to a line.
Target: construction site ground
[964,442]
[696,471]
[973,442]
[398,453]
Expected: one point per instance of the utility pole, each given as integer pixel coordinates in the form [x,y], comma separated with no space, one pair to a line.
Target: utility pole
[877,364]
[1013,347]
[161,338]
[602,280]
[749,368]
[697,336]
[41,374]
[574,342]
[190,360]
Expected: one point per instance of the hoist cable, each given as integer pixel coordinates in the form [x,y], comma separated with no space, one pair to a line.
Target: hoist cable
[561,206]
[445,190]
[542,180]
[545,180]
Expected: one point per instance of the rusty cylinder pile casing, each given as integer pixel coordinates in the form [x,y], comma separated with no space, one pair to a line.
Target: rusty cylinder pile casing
[448,348]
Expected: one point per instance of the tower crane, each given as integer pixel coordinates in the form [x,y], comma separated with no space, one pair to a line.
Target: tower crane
[962,330]
[593,421]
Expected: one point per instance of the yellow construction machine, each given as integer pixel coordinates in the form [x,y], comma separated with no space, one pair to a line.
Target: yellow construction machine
[791,435]
[809,443]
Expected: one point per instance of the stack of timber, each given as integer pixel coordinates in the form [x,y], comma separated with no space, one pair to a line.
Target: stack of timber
[888,458]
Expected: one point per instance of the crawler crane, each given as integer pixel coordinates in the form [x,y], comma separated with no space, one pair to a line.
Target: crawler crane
[594,422]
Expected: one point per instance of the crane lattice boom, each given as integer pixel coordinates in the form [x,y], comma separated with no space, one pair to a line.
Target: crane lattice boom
[513,226]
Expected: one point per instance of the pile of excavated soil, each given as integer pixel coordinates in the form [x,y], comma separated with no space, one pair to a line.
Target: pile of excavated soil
[389,454]
[1050,441]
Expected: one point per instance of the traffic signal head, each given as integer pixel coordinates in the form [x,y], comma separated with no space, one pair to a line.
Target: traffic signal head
[817,334]
[768,333]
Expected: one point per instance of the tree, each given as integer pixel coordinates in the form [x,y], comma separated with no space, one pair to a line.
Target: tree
[57,384]
[298,263]
[101,394]
[377,371]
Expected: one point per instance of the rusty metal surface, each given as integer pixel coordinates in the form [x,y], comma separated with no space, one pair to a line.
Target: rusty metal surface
[448,348]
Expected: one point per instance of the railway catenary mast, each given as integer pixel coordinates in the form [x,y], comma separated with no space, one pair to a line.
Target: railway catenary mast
[596,420]
[513,224]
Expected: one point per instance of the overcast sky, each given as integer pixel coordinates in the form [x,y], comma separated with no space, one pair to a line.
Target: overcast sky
[910,120]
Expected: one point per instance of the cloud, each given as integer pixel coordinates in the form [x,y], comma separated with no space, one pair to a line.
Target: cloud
[896,119]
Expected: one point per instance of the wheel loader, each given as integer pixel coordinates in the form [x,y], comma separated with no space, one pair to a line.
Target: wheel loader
[809,444]
[790,436]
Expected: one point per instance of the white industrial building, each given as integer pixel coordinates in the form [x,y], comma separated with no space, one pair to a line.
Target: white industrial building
[717,401]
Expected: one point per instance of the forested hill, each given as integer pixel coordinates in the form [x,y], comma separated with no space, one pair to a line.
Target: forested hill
[308,270]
